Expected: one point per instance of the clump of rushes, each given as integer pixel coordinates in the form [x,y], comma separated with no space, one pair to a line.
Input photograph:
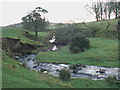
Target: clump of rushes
[73,66]
[64,75]
[112,80]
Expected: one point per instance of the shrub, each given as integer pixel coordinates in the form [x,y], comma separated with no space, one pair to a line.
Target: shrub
[64,75]
[73,66]
[78,43]
[111,80]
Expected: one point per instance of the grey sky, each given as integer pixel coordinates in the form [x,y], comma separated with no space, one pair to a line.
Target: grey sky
[12,12]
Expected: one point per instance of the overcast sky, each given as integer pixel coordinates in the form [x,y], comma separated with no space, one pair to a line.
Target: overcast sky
[60,11]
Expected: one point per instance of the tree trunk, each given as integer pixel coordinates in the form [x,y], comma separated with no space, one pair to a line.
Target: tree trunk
[116,13]
[36,34]
[106,15]
[96,16]
[109,15]
[101,16]
[101,13]
[118,29]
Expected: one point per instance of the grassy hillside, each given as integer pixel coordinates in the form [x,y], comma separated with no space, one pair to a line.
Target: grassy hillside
[15,76]
[101,24]
[18,34]
[104,29]
[103,52]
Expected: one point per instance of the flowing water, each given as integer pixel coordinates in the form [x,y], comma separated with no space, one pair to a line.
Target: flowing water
[82,71]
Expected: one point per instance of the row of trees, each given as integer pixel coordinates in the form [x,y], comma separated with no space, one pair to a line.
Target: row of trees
[34,20]
[103,10]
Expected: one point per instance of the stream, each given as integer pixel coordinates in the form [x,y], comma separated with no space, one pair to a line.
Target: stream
[82,71]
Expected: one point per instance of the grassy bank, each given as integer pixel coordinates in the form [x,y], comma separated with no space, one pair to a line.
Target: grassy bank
[15,76]
[103,52]
[18,34]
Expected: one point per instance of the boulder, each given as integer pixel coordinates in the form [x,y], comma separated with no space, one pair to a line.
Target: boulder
[45,72]
[57,70]
[75,71]
[80,65]
[42,70]
[101,71]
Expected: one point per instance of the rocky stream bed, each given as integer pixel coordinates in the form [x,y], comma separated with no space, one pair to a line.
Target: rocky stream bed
[81,71]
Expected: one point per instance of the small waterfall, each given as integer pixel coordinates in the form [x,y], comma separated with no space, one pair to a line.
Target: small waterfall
[52,41]
[54,48]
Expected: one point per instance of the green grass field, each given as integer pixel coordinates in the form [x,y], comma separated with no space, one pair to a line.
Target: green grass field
[41,34]
[103,52]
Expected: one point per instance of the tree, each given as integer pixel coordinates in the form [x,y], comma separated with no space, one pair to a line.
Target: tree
[34,21]
[105,9]
[110,8]
[118,28]
[95,8]
[101,9]
[115,8]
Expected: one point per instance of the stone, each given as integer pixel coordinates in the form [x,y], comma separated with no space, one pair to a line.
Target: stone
[42,70]
[101,71]
[21,63]
[75,71]
[17,57]
[28,59]
[45,72]
[34,66]
[79,68]
[80,65]
[57,70]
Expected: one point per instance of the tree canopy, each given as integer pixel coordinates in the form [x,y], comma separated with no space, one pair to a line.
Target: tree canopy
[34,20]
[103,10]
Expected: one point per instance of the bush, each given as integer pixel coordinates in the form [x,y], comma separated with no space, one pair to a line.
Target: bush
[111,80]
[78,43]
[64,75]
[73,66]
